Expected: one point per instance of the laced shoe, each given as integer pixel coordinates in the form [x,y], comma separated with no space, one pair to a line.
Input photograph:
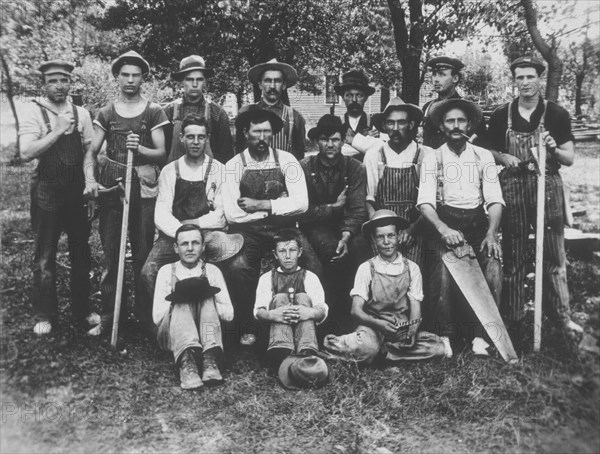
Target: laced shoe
[447,348]
[210,369]
[188,371]
[93,319]
[42,328]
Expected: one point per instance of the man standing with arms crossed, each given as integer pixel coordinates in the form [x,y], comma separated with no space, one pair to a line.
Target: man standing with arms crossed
[131,124]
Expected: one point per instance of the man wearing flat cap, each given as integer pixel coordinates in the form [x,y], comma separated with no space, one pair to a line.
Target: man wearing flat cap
[190,301]
[336,209]
[514,131]
[273,78]
[58,134]
[132,124]
[263,192]
[192,74]
[445,76]
[393,170]
[459,183]
[355,90]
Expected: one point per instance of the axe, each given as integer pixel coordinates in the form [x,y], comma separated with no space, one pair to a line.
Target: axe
[539,243]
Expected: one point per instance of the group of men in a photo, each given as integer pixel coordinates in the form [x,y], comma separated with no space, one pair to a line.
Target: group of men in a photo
[358,233]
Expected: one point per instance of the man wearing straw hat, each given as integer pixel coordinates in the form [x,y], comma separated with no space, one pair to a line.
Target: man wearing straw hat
[57,133]
[459,182]
[132,124]
[273,78]
[514,132]
[192,74]
[189,192]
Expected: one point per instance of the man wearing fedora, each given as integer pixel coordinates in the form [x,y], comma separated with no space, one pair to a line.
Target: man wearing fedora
[190,301]
[393,170]
[192,74]
[445,76]
[386,302]
[459,183]
[57,133]
[273,78]
[514,131]
[355,90]
[264,191]
[189,192]
[336,210]
[132,124]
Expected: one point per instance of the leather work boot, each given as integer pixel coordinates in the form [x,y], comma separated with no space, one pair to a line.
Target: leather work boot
[188,371]
[210,370]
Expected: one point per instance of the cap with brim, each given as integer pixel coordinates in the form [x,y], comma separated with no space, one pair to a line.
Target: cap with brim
[129,58]
[56,67]
[473,111]
[414,113]
[444,62]
[354,79]
[291,76]
[328,124]
[192,290]
[251,112]
[219,246]
[531,62]
[381,218]
[191,63]
[297,372]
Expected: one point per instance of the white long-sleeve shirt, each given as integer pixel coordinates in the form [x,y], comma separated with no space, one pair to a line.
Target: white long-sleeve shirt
[163,214]
[295,203]
[312,287]
[163,289]
[466,178]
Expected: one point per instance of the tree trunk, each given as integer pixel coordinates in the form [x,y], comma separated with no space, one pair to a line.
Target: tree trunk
[10,94]
[555,65]
[578,89]
[385,98]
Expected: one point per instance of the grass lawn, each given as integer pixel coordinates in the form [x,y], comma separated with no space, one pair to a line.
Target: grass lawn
[69,393]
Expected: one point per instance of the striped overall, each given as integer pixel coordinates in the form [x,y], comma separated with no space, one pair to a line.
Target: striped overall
[519,187]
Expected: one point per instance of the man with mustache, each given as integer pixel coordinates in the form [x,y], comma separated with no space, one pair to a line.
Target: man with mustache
[57,133]
[273,78]
[132,124]
[193,74]
[336,195]
[445,76]
[264,190]
[355,90]
[513,134]
[393,170]
[457,181]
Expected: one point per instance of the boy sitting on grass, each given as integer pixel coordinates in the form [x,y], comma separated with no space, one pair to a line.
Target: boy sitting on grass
[190,299]
[386,302]
[291,300]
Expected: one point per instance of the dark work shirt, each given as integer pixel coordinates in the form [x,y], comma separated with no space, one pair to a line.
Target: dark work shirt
[325,186]
[557,122]
[432,136]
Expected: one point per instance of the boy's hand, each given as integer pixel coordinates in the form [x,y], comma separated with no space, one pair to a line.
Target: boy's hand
[387,327]
[278,315]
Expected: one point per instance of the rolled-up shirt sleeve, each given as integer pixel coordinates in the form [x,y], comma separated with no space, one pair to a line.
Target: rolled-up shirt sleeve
[297,200]
[428,180]
[222,299]
[162,289]
[415,289]
[264,294]
[492,192]
[362,282]
[231,193]
[371,163]
[314,289]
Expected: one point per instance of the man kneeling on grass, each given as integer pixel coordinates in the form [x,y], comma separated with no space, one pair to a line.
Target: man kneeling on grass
[386,302]
[291,300]
[190,299]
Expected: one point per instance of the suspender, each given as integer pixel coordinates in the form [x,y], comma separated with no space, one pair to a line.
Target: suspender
[174,277]
[313,172]
[440,174]
[47,118]
[289,112]
[245,164]
[510,122]
[372,268]
[415,159]
[206,172]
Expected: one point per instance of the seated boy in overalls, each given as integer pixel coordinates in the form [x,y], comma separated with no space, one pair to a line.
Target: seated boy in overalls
[291,301]
[190,300]
[386,302]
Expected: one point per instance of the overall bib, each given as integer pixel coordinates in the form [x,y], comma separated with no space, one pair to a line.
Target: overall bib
[57,204]
[519,187]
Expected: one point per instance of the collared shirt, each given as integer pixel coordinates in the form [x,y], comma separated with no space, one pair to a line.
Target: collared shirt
[164,282]
[221,143]
[466,177]
[31,121]
[298,130]
[312,286]
[373,161]
[362,280]
[295,203]
[325,187]
[163,214]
